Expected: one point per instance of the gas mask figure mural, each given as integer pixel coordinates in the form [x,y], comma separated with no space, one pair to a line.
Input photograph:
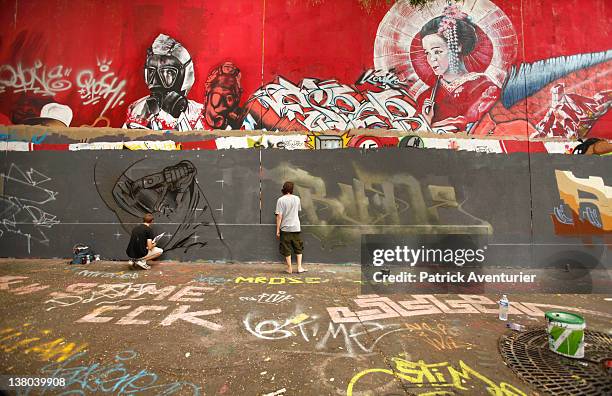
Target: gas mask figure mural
[169,75]
[223,92]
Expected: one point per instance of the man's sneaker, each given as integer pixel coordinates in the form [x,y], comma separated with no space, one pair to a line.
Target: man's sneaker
[131,263]
[143,264]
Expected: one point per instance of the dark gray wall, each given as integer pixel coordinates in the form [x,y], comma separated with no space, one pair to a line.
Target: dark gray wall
[52,200]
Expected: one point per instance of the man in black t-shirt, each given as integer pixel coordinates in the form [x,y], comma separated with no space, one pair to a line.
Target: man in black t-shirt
[142,247]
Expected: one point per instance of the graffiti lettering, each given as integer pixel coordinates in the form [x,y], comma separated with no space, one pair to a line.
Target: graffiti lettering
[6,281]
[112,378]
[36,79]
[180,313]
[106,293]
[265,298]
[337,339]
[380,78]
[210,280]
[439,336]
[282,280]
[106,86]
[425,304]
[103,274]
[588,201]
[373,204]
[431,376]
[317,105]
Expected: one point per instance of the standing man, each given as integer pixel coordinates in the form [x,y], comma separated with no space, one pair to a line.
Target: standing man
[142,246]
[288,226]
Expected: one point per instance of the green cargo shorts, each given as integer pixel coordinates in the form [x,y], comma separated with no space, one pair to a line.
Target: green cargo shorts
[290,242]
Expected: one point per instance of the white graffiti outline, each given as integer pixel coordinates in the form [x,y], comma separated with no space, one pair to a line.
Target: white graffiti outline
[21,211]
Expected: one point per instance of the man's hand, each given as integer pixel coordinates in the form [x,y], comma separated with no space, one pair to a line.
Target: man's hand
[277,234]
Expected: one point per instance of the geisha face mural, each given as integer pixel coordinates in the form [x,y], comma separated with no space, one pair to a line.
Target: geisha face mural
[436,50]
[454,58]
[447,40]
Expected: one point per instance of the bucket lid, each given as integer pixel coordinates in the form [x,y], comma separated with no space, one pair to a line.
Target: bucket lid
[564,317]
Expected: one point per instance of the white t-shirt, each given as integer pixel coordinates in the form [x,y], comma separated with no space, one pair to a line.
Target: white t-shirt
[288,206]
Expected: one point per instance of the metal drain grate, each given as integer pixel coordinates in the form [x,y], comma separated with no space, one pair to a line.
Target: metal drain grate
[527,354]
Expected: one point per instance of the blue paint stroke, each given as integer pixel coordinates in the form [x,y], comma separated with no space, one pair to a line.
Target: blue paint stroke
[36,139]
[529,78]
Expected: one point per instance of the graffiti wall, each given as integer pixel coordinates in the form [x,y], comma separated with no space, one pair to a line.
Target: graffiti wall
[484,67]
[219,205]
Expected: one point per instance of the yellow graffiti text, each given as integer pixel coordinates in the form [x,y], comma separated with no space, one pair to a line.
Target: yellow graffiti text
[282,280]
[28,341]
[440,376]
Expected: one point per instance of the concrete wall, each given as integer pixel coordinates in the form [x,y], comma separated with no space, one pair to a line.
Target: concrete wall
[219,205]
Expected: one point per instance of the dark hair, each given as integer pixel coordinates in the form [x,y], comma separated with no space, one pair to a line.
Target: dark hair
[466,33]
[287,188]
[148,218]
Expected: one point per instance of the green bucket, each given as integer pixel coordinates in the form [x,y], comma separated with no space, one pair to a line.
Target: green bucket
[566,333]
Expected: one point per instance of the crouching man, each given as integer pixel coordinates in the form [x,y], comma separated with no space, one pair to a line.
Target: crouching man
[142,246]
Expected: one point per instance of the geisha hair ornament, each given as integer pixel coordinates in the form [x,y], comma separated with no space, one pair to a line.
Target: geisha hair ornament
[448,28]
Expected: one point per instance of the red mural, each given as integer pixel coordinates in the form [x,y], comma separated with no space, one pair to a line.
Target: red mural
[485,67]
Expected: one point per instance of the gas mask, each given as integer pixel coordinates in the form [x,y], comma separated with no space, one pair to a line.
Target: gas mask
[169,75]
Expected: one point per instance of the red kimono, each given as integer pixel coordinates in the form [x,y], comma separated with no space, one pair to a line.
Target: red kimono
[462,101]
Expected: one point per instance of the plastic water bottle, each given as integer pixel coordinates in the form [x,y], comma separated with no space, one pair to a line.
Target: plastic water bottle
[504,304]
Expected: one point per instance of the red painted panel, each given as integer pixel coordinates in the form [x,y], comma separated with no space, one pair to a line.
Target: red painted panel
[324,39]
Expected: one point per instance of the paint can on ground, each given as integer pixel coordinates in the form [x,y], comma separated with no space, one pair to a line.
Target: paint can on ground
[565,333]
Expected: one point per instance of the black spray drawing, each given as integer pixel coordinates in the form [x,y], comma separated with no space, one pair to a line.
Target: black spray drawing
[171,193]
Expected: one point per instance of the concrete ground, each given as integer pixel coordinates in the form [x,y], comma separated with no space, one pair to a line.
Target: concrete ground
[250,329]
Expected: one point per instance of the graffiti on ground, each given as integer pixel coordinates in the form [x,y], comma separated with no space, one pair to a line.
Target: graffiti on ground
[114,377]
[439,378]
[107,296]
[210,280]
[376,308]
[438,336]
[7,281]
[39,343]
[269,298]
[280,280]
[104,274]
[349,340]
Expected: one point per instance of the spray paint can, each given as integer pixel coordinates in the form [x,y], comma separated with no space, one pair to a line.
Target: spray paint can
[516,326]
